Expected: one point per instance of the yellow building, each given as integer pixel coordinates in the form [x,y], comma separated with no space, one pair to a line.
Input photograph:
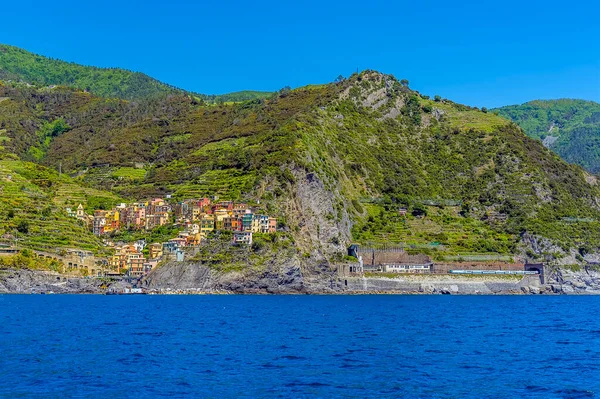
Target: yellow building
[220,215]
[197,212]
[112,221]
[155,250]
[256,224]
[207,224]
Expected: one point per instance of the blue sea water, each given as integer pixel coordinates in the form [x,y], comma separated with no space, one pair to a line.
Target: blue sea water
[300,346]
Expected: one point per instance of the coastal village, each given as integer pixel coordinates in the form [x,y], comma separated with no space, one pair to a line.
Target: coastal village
[194,220]
[197,218]
[125,230]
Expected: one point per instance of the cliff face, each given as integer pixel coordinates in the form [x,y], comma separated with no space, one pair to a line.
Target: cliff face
[280,277]
[323,225]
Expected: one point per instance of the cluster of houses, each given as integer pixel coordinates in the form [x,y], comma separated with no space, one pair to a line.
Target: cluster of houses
[203,216]
[130,259]
[136,216]
[199,217]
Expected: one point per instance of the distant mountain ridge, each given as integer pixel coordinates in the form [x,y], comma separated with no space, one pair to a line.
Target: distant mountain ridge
[569,127]
[17,64]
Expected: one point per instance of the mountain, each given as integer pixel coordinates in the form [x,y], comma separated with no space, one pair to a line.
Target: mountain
[335,163]
[569,127]
[22,66]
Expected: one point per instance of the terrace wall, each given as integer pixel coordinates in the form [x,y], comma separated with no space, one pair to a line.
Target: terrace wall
[374,257]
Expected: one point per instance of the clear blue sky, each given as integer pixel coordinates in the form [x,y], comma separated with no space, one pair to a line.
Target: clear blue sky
[478,53]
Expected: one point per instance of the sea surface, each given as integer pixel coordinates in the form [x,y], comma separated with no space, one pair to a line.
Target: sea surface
[57,346]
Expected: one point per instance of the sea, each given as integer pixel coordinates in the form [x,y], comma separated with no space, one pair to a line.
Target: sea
[229,346]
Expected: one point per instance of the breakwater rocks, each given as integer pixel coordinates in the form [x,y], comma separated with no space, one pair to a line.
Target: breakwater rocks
[581,281]
[445,285]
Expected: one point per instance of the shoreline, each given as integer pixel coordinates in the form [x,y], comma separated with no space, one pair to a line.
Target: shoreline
[37,282]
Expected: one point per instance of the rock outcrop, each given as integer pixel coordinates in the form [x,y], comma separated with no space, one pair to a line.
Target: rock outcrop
[24,281]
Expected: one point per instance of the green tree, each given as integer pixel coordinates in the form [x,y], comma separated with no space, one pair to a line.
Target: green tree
[23,227]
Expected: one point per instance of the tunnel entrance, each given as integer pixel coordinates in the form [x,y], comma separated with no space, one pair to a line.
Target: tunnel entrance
[536,267]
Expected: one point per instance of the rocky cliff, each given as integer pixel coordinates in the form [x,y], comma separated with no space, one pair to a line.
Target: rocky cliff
[24,281]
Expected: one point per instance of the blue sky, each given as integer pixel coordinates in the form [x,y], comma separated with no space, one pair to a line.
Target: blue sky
[478,53]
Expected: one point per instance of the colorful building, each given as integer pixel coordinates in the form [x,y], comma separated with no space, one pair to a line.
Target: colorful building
[242,238]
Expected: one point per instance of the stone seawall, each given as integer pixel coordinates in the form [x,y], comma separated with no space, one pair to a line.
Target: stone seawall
[443,285]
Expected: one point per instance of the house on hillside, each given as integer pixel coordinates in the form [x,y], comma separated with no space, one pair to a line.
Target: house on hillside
[169,247]
[155,250]
[135,264]
[247,218]
[263,223]
[272,225]
[232,223]
[242,238]
[99,222]
[207,224]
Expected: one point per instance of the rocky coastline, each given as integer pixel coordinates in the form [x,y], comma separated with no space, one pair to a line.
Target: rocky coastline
[196,279]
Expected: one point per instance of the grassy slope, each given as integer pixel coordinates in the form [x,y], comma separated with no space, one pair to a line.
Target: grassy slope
[576,124]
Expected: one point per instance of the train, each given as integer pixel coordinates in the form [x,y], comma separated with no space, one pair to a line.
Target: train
[514,272]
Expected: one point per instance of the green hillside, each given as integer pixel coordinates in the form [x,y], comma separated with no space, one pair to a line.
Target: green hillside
[571,128]
[22,66]
[238,96]
[33,202]
[334,163]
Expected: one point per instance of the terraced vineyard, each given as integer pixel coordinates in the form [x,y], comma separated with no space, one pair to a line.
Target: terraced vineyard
[32,206]
[441,231]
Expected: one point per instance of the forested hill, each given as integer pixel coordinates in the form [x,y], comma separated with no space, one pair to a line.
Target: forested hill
[569,127]
[22,66]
